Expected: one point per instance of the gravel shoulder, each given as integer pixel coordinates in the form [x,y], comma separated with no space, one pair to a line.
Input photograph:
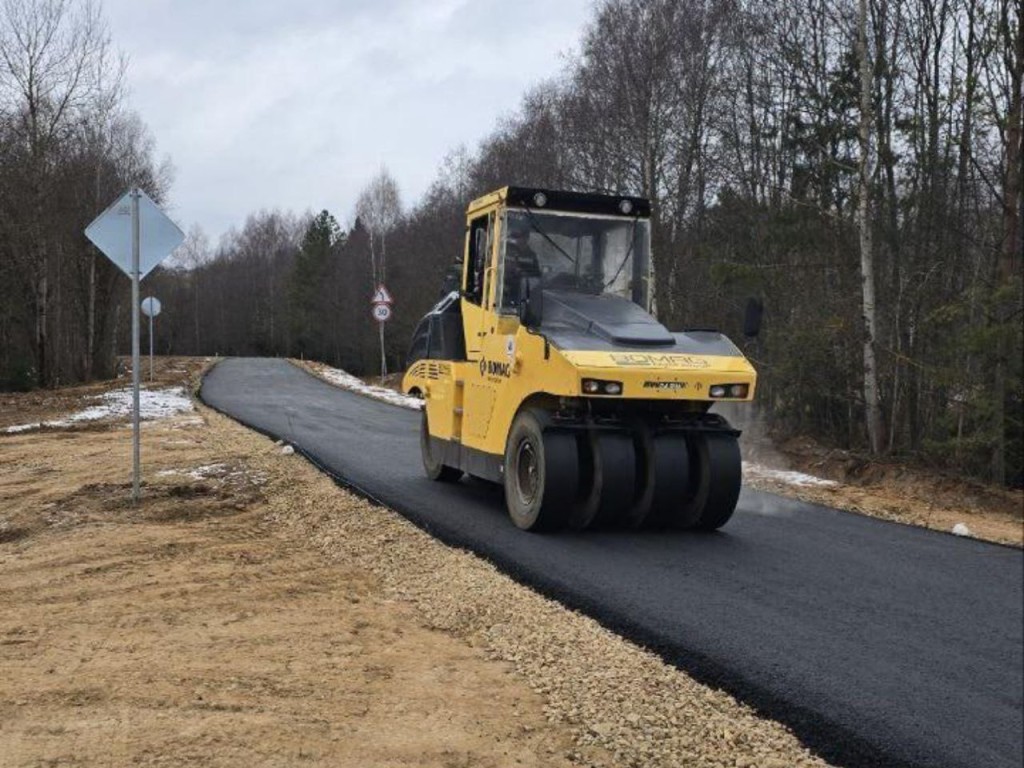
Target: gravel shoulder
[249,611]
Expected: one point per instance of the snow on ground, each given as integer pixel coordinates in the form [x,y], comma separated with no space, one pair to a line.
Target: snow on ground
[761,472]
[216,472]
[116,404]
[347,381]
[198,473]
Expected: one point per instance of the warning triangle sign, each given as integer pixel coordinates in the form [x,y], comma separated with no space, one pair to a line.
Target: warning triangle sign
[381,296]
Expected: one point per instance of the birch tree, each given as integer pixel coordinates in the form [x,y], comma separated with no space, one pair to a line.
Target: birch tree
[872,400]
[379,208]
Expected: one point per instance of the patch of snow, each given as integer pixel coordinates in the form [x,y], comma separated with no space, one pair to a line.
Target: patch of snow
[116,404]
[207,470]
[220,472]
[961,530]
[23,427]
[347,381]
[761,472]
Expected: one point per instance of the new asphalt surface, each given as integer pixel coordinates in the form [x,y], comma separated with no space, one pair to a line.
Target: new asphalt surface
[878,644]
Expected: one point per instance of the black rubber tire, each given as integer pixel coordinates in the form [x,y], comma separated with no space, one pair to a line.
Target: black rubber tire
[609,497]
[541,473]
[671,471]
[716,478]
[431,464]
[643,488]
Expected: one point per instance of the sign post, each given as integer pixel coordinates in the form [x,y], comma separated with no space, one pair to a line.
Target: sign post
[151,308]
[381,312]
[136,235]
[136,449]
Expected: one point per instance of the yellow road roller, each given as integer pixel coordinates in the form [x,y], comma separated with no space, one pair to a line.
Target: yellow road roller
[546,371]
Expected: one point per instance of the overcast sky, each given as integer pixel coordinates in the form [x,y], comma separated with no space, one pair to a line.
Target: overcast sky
[267,104]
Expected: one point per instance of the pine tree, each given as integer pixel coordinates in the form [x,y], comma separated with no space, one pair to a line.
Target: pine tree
[311,267]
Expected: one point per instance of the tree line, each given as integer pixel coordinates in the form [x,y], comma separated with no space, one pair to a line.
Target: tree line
[68,146]
[856,164]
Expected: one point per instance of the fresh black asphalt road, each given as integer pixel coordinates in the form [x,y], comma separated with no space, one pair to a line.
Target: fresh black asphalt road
[878,644]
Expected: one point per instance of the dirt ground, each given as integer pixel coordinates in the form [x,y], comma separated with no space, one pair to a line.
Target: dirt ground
[250,612]
[189,628]
[898,491]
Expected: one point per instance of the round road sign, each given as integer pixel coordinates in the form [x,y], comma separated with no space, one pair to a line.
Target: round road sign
[381,313]
[151,306]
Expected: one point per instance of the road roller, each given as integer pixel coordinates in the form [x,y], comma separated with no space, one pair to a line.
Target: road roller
[543,368]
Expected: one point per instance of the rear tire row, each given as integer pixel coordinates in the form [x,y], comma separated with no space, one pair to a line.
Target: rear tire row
[624,478]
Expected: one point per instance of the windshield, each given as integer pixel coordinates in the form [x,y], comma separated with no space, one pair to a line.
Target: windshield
[575,252]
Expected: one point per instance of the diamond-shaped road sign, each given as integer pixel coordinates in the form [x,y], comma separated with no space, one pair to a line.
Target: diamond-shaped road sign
[111,232]
[135,235]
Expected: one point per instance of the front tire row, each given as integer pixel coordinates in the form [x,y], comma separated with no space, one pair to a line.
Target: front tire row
[556,477]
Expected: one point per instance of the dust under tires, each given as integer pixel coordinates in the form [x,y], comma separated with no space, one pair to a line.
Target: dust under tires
[432,464]
[541,473]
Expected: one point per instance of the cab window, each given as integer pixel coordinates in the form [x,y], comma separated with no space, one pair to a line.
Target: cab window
[480,233]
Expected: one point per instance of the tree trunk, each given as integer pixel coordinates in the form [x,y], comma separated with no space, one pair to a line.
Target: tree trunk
[42,289]
[195,310]
[876,430]
[90,343]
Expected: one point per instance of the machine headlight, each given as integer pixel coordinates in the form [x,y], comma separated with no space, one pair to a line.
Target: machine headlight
[601,387]
[626,206]
[729,390]
[540,199]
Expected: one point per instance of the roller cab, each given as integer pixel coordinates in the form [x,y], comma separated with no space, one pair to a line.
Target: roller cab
[546,371]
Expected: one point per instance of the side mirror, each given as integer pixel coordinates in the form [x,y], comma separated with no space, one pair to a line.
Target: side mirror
[452,280]
[531,302]
[752,317]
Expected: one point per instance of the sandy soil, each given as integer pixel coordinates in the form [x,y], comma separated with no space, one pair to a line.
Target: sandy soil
[250,612]
[191,628]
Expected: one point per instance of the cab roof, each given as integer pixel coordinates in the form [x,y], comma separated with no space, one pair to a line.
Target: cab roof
[563,200]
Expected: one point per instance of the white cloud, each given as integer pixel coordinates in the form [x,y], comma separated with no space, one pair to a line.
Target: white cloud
[265,104]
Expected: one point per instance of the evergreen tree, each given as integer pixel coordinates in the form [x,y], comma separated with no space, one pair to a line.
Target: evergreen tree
[312,265]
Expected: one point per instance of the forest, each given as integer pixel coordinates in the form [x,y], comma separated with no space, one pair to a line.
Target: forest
[854,164]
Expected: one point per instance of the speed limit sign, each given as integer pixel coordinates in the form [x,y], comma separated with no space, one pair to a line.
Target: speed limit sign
[381,312]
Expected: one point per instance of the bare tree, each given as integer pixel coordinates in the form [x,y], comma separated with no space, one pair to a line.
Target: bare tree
[1006,82]
[379,209]
[876,430]
[55,68]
